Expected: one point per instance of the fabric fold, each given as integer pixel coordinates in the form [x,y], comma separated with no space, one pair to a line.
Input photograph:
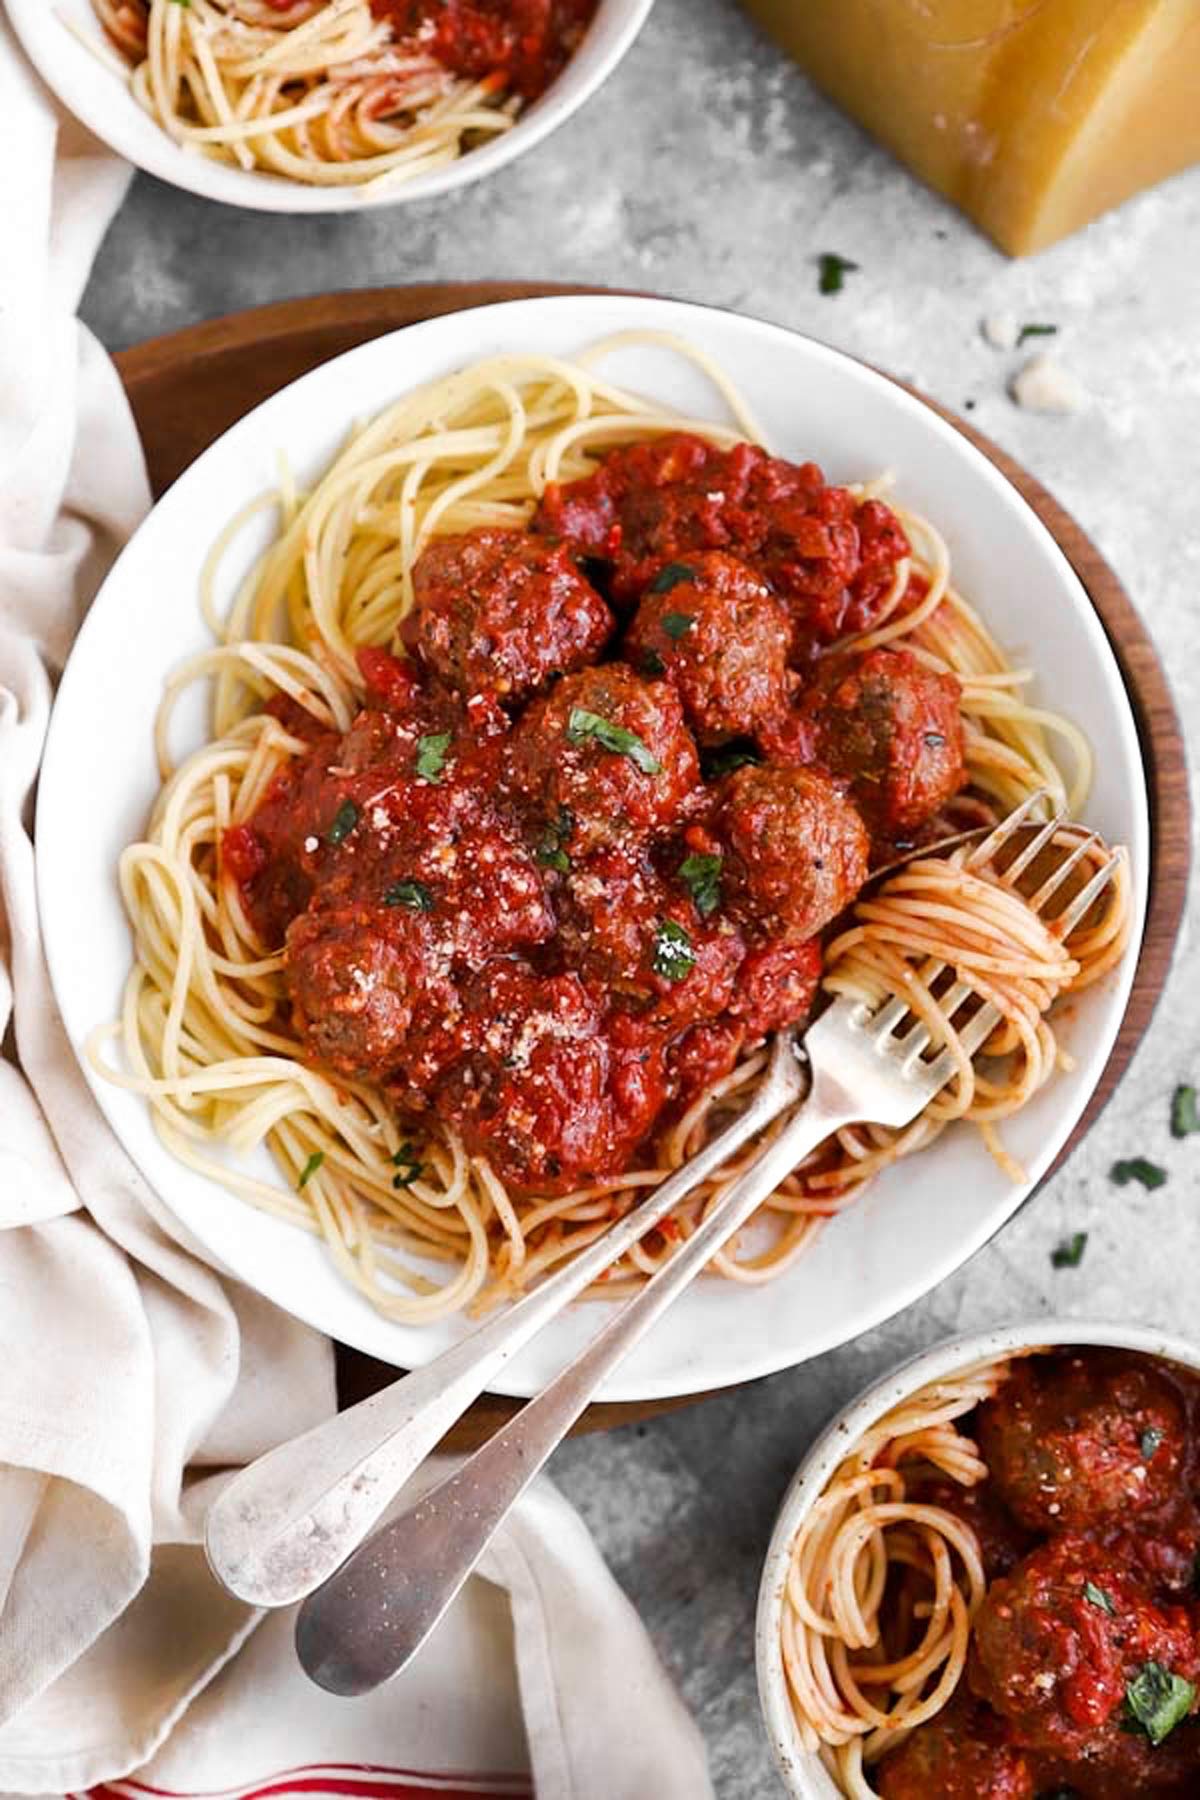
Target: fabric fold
[135,1377]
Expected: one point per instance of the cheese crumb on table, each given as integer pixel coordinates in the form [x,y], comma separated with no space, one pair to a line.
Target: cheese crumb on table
[1044,385]
[1000,330]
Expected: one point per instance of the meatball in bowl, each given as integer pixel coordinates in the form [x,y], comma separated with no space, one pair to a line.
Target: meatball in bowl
[981,1583]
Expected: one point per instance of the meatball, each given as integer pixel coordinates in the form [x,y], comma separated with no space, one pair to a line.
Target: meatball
[627,930]
[831,556]
[776,986]
[1082,1440]
[359,976]
[958,1755]
[502,611]
[546,1091]
[604,758]
[1123,1763]
[703,1055]
[714,629]
[893,729]
[797,848]
[1056,1642]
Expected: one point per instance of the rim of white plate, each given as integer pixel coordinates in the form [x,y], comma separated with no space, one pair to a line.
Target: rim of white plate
[93,91]
[673,1360]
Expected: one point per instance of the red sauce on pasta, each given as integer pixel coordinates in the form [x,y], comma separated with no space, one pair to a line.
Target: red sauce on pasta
[579,847]
[1084,1671]
[524,44]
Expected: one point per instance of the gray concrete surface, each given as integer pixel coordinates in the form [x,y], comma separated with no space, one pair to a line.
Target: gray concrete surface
[709,169]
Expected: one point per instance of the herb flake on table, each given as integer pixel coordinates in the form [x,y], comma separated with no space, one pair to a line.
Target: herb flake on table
[583,724]
[1137,1168]
[1069,1254]
[1185,1115]
[832,271]
[1034,331]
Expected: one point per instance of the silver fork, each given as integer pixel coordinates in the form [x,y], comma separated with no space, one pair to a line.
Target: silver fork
[371,1617]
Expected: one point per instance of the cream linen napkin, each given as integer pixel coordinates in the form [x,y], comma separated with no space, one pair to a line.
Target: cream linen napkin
[130,1373]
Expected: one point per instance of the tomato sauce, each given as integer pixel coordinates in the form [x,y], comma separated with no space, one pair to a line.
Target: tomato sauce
[522,44]
[522,894]
[1084,1672]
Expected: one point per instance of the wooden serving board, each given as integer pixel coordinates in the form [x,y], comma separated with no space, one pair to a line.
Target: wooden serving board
[187,388]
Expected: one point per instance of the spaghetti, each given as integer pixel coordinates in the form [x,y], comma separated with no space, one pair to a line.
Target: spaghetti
[860,1679]
[992,1593]
[427,1229]
[338,93]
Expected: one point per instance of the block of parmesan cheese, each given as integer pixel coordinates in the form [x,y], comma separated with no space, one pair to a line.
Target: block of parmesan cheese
[1033,116]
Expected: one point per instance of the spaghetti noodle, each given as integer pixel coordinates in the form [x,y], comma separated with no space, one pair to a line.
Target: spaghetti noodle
[428,1229]
[993,1592]
[861,1679]
[337,93]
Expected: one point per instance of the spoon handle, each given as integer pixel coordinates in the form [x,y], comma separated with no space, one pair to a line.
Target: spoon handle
[373,1615]
[290,1519]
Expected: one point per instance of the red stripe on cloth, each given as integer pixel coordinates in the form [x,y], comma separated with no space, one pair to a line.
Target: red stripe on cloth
[354,1781]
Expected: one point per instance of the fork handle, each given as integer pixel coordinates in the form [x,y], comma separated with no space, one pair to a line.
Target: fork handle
[372,1616]
[285,1524]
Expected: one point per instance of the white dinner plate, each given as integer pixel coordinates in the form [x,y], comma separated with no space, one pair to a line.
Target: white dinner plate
[923,1218]
[64,41]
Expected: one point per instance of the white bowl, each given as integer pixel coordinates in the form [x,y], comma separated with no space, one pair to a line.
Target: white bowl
[801,1770]
[50,32]
[922,1219]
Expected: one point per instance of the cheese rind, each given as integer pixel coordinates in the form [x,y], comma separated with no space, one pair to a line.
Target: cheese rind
[1033,116]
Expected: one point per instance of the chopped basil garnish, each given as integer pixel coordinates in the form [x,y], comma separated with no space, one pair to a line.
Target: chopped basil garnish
[550,852]
[1152,1437]
[1028,331]
[1159,1700]
[833,270]
[311,1166]
[670,575]
[677,625]
[1137,1168]
[431,755]
[408,1167]
[652,664]
[728,758]
[1069,1254]
[673,953]
[583,724]
[702,874]
[413,894]
[344,821]
[1185,1116]
[1099,1598]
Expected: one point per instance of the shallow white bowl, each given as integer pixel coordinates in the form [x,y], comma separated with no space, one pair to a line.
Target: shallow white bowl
[802,1772]
[95,93]
[924,1218]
